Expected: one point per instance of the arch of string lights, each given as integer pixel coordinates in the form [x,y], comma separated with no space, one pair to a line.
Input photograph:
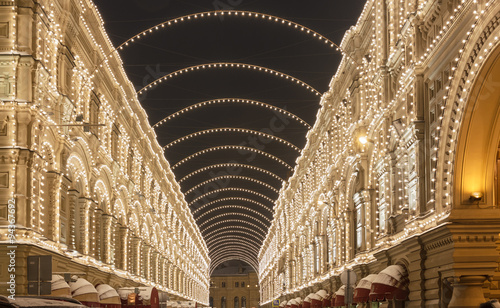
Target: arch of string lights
[238,177]
[229,257]
[233,214]
[239,189]
[234,207]
[226,252]
[198,67]
[230,165]
[232,231]
[234,239]
[233,228]
[231,147]
[232,130]
[232,101]
[233,199]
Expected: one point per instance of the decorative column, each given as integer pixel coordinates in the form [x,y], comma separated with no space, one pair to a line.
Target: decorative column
[114,243]
[475,234]
[154,266]
[369,218]
[84,230]
[106,238]
[72,199]
[145,264]
[97,240]
[122,252]
[50,192]
[136,255]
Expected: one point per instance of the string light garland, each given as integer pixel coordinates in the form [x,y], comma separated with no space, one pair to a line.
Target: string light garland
[258,16]
[200,225]
[232,101]
[229,238]
[229,189]
[233,130]
[228,65]
[201,208]
[234,227]
[234,207]
[231,250]
[231,147]
[215,263]
[234,243]
[238,177]
[229,165]
[246,234]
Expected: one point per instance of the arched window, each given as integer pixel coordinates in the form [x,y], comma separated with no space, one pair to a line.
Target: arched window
[243,302]
[223,302]
[236,302]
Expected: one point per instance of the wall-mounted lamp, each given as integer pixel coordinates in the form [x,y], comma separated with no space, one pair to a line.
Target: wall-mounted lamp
[476,196]
[363,139]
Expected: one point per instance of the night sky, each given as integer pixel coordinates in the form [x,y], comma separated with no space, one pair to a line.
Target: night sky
[230,39]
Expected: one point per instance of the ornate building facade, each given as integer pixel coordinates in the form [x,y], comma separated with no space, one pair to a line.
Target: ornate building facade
[234,290]
[82,176]
[401,167]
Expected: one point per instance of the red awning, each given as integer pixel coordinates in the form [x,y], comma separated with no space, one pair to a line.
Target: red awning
[296,303]
[327,301]
[362,290]
[391,283]
[339,297]
[306,303]
[316,300]
[293,303]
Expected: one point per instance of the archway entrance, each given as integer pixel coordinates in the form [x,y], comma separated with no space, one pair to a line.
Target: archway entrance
[477,160]
[476,213]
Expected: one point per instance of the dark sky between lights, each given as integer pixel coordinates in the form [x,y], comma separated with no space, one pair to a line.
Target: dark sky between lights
[230,39]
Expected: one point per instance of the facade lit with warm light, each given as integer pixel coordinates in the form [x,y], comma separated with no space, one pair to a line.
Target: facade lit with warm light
[399,174]
[401,167]
[89,181]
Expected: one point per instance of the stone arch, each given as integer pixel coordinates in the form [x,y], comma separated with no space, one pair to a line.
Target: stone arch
[84,154]
[133,222]
[459,171]
[102,197]
[120,212]
[478,140]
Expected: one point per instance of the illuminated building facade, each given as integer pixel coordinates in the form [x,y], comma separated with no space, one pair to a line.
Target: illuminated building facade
[80,162]
[237,289]
[401,167]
